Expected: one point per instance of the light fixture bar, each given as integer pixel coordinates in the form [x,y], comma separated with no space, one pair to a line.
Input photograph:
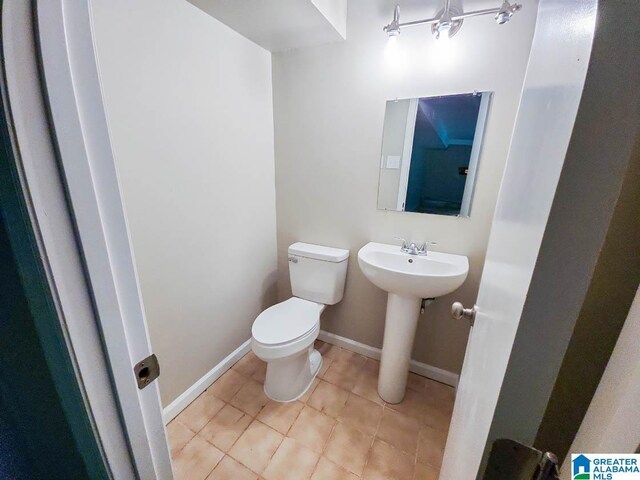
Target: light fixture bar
[448,15]
[419,22]
[431,21]
[477,13]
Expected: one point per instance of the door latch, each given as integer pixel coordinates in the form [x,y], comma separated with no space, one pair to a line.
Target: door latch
[459,312]
[147,371]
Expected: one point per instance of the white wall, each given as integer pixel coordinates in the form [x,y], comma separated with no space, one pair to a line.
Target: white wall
[612,423]
[190,111]
[329,104]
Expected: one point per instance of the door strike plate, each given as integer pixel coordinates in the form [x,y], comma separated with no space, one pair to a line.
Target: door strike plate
[147,371]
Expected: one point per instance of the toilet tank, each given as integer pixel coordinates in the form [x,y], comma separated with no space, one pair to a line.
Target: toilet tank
[317,273]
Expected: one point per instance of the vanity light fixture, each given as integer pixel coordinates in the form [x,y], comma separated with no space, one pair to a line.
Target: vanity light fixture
[449,20]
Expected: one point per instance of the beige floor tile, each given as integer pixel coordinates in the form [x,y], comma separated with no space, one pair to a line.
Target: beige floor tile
[322,347]
[344,356]
[439,397]
[387,463]
[227,385]
[431,443]
[348,448]
[196,460]
[367,387]
[327,470]
[292,461]
[282,441]
[328,399]
[248,365]
[250,398]
[345,369]
[200,411]
[412,405]
[439,390]
[341,377]
[329,351]
[261,373]
[280,416]
[312,429]
[416,382]
[400,431]
[305,398]
[424,472]
[179,436]
[361,414]
[226,427]
[230,469]
[372,366]
[256,446]
[326,363]
[437,417]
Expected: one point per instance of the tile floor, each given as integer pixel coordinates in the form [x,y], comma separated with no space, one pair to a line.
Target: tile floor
[339,430]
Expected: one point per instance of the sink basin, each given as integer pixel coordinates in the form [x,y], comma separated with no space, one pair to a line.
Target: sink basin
[408,279]
[428,276]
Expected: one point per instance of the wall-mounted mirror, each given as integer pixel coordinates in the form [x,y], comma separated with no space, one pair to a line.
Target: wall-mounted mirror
[430,151]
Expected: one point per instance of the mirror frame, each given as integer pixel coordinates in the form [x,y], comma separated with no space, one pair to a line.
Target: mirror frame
[476,151]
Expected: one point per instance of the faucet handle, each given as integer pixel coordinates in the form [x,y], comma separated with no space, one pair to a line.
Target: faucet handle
[427,243]
[404,242]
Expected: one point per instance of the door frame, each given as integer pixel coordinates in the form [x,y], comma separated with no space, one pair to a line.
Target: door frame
[36,174]
[80,129]
[43,303]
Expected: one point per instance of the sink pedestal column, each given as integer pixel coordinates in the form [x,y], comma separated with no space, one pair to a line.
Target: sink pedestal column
[399,331]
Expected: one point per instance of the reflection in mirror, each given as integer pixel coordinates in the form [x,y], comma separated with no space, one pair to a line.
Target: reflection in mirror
[430,150]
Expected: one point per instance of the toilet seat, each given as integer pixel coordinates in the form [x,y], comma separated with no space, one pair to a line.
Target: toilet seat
[286,322]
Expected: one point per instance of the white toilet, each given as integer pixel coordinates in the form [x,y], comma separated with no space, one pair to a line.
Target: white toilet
[283,334]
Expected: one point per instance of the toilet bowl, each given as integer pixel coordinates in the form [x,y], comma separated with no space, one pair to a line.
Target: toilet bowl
[283,335]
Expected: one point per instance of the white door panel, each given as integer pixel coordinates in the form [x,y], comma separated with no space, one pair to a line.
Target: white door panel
[80,127]
[551,94]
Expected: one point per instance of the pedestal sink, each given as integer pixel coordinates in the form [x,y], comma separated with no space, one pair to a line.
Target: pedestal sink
[408,279]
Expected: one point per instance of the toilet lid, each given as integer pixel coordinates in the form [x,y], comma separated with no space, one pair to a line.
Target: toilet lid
[286,321]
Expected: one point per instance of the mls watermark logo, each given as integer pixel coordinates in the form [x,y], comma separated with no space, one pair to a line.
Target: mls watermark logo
[600,466]
[581,467]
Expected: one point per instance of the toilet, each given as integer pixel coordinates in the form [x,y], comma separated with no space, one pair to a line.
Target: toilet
[283,335]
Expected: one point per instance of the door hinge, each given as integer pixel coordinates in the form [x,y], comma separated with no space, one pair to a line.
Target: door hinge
[147,371]
[510,460]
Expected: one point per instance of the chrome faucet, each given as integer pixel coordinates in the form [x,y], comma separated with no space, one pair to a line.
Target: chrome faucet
[414,249]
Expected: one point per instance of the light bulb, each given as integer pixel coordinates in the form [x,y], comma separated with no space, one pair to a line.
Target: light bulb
[394,57]
[444,37]
[442,52]
[441,30]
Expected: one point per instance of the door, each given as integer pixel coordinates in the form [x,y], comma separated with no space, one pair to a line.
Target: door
[549,105]
[79,125]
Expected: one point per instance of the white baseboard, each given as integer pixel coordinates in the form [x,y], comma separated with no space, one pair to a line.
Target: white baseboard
[429,371]
[183,401]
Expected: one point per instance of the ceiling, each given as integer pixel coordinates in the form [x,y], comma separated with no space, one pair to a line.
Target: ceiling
[279,25]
